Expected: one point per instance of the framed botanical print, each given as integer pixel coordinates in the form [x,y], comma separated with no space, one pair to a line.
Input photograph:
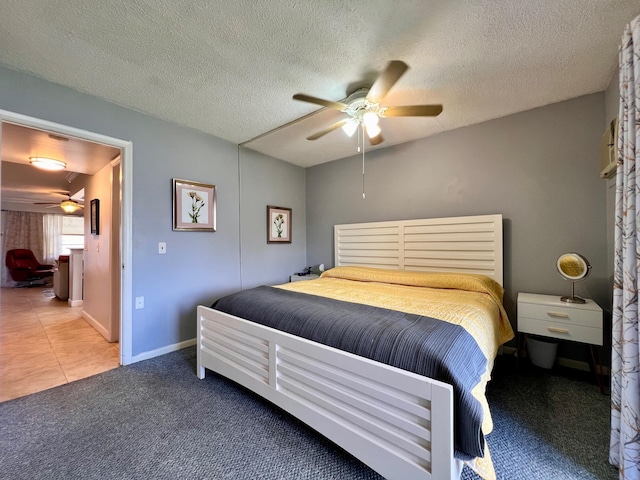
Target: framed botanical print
[278,224]
[194,206]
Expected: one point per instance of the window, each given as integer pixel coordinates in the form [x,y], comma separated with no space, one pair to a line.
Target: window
[72,233]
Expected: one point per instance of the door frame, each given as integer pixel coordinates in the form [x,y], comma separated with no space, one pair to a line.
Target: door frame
[126,212]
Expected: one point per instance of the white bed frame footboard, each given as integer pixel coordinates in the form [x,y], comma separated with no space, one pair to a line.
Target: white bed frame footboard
[398,423]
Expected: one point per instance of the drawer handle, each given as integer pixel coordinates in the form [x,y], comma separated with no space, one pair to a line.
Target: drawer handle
[557,330]
[558,314]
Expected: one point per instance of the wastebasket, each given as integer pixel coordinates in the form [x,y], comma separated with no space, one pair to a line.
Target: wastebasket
[542,351]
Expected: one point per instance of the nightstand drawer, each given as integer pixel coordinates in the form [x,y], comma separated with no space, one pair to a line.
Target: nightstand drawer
[561,330]
[561,314]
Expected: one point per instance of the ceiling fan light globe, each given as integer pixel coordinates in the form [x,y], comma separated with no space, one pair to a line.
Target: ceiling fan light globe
[350,127]
[69,206]
[370,119]
[373,130]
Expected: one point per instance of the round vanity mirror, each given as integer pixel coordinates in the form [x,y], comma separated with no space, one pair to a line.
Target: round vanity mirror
[573,267]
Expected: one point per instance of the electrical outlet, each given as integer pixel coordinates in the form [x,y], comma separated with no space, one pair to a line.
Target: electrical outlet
[162,248]
[139,303]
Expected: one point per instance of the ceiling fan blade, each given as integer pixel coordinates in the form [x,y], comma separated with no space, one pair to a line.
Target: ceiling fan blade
[319,101]
[413,111]
[333,127]
[377,140]
[387,79]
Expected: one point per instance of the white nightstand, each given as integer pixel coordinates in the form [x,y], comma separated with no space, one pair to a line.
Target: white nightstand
[548,316]
[300,278]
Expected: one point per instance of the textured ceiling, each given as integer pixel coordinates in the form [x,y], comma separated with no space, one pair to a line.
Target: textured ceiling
[230,67]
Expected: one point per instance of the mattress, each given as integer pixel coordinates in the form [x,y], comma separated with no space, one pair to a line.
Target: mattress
[458,320]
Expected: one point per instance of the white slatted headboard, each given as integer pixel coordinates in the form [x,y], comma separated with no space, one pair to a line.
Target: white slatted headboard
[457,244]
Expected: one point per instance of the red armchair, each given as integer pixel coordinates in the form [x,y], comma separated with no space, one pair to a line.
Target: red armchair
[24,267]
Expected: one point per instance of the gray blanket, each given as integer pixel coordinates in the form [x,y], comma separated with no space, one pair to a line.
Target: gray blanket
[422,345]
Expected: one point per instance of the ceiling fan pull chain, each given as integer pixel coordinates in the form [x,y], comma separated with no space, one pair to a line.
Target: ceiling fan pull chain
[363,196]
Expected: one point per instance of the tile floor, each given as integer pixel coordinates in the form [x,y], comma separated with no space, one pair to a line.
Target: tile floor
[45,343]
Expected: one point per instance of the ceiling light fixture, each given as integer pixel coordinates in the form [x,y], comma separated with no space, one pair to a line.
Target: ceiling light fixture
[69,206]
[370,119]
[47,163]
[350,127]
[372,130]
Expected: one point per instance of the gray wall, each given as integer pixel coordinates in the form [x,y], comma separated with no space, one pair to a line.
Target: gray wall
[267,181]
[198,266]
[539,169]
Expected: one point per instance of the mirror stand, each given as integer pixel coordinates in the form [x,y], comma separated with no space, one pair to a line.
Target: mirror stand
[573,298]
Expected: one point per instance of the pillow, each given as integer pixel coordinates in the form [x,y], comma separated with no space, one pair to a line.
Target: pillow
[460,281]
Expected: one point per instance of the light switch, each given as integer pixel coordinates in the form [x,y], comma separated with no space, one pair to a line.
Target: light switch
[162,247]
[139,303]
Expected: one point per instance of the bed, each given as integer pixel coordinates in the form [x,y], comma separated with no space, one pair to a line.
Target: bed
[398,422]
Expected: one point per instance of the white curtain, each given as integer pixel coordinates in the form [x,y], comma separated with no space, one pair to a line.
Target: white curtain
[52,237]
[624,449]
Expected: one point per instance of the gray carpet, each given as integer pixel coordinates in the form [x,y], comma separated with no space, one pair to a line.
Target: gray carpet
[155,419]
[548,424]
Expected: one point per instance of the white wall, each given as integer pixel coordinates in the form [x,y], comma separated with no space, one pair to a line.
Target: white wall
[115,250]
[96,305]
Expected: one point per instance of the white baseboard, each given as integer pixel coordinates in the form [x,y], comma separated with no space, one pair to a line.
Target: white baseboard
[164,350]
[95,324]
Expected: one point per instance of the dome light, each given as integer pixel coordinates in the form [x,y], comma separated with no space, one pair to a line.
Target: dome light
[47,163]
[69,206]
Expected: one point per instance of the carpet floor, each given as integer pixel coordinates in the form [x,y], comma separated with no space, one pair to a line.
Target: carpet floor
[156,419]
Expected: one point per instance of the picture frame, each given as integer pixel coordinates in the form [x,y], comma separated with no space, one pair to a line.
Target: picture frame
[194,206]
[278,224]
[95,216]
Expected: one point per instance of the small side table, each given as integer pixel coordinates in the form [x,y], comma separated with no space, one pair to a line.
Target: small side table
[300,278]
[548,316]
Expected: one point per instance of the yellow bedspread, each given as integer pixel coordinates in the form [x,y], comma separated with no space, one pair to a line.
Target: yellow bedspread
[472,301]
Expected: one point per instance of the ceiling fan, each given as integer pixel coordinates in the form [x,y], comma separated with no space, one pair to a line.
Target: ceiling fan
[68,205]
[364,109]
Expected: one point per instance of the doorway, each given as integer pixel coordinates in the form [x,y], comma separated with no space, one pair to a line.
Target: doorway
[119,274]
